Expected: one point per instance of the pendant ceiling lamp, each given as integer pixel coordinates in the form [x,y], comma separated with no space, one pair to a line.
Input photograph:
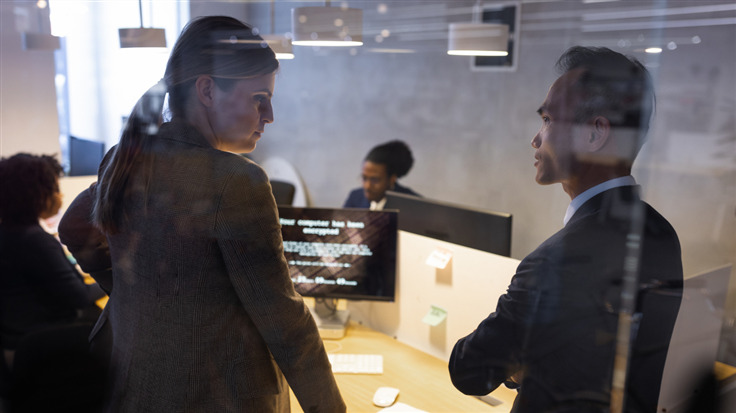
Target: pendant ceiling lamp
[280,44]
[327,26]
[477,38]
[40,40]
[142,36]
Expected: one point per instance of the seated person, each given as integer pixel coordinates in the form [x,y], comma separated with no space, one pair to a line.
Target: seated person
[383,165]
[39,286]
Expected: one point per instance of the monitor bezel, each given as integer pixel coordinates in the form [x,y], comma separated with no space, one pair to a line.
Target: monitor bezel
[422,219]
[393,240]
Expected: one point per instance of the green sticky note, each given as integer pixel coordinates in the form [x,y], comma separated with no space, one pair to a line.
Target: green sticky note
[435,316]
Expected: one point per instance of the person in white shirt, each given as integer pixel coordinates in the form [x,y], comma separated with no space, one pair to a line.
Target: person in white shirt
[382,167]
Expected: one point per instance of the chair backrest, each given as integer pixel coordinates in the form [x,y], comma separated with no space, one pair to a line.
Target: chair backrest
[279,169]
[283,192]
[53,370]
[695,339]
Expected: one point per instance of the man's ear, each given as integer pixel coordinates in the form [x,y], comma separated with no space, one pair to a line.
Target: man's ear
[205,87]
[600,132]
[392,181]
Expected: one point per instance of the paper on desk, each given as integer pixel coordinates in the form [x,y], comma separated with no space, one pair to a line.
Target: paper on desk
[435,316]
[439,258]
[401,407]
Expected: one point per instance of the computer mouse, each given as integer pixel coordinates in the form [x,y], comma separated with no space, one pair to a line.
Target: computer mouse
[385,396]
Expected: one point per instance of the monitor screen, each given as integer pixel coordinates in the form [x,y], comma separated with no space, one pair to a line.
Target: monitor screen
[84,156]
[341,253]
[470,227]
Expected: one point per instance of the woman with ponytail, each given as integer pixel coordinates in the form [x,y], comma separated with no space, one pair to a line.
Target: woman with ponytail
[203,313]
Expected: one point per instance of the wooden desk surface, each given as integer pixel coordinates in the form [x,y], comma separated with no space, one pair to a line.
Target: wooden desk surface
[423,380]
[724,371]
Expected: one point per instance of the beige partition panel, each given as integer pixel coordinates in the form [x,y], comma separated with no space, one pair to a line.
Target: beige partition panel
[467,289]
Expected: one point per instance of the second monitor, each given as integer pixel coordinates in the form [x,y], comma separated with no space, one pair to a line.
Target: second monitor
[470,227]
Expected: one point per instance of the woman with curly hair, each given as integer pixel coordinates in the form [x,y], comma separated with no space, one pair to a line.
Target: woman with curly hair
[39,286]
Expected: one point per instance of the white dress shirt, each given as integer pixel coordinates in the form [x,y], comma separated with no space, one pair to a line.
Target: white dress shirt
[378,205]
[579,200]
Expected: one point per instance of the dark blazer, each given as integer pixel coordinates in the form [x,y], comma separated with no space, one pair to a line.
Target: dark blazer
[39,286]
[557,323]
[85,242]
[203,312]
[357,199]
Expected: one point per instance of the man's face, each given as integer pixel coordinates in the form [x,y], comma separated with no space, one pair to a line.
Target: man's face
[376,180]
[557,139]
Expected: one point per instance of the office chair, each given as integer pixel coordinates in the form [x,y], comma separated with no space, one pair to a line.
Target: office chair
[4,382]
[283,192]
[53,370]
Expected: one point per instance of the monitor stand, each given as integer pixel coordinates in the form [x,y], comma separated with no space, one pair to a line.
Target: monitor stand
[331,322]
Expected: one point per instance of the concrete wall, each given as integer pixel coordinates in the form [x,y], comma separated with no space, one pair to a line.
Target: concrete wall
[470,131]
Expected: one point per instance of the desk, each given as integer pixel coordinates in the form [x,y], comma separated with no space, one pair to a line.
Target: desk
[723,371]
[423,380]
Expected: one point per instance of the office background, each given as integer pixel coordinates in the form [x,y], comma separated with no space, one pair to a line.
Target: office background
[470,130]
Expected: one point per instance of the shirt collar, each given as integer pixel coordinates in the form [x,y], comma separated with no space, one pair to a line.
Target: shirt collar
[378,205]
[579,200]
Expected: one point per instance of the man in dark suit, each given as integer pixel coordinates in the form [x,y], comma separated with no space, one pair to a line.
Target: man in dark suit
[612,275]
[383,165]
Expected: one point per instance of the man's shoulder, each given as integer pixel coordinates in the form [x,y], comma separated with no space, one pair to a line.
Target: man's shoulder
[357,192]
[656,223]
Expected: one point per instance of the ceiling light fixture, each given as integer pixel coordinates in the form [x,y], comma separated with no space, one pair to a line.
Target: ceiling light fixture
[280,44]
[477,38]
[327,26]
[39,40]
[140,36]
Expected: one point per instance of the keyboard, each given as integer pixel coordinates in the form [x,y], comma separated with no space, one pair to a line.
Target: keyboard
[356,363]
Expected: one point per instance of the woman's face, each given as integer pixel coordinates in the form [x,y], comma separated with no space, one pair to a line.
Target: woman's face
[238,117]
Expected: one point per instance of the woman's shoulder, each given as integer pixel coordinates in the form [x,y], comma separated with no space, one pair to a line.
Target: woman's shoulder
[25,236]
[242,166]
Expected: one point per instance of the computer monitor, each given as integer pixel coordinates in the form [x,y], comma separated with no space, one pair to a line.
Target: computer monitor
[336,253]
[476,228]
[84,156]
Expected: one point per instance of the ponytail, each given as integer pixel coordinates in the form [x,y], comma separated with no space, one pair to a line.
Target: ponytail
[141,127]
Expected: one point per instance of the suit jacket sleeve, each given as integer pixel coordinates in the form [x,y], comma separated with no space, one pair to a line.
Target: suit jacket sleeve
[491,354]
[55,277]
[87,244]
[249,236]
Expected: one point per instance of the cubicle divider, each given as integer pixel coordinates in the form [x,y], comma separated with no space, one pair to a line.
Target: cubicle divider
[436,306]
[70,187]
